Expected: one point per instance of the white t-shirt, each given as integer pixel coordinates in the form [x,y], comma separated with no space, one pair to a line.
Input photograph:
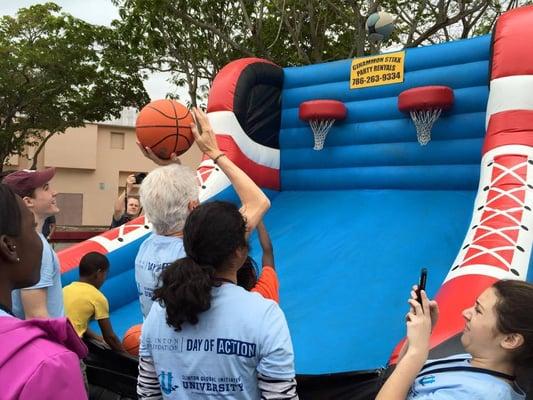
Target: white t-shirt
[460,385]
[241,335]
[155,254]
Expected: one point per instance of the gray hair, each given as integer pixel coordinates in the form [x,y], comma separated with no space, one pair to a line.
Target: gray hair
[165,195]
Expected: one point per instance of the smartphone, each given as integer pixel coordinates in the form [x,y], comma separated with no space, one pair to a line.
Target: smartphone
[421,284]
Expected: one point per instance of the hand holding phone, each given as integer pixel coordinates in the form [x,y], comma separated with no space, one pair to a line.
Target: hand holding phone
[421,284]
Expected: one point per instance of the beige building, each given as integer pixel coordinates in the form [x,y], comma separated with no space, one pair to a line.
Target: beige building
[92,164]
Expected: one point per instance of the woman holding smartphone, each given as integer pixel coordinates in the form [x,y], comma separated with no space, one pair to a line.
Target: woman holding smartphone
[498,339]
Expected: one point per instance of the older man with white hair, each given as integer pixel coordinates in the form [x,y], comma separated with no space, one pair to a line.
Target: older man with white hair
[168,194]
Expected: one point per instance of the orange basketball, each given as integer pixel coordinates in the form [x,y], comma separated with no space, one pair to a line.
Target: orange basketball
[164,126]
[132,340]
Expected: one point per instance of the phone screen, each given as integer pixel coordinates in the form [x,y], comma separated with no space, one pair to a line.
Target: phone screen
[421,284]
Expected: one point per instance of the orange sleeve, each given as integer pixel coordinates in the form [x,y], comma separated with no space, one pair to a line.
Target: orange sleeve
[267,285]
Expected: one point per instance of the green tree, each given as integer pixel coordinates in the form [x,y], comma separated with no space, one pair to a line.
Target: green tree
[193,39]
[56,72]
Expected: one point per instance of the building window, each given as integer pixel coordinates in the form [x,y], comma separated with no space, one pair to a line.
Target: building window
[117,140]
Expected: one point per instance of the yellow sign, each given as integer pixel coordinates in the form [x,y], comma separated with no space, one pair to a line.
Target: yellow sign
[378,70]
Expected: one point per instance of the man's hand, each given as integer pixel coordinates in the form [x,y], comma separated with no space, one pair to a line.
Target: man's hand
[130,181]
[148,153]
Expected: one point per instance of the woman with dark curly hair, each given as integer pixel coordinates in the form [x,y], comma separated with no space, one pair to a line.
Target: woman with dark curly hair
[205,337]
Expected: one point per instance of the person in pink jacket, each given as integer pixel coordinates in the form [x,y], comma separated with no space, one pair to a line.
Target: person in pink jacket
[40,358]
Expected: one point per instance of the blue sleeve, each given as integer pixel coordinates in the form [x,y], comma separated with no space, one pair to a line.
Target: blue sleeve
[48,267]
[276,352]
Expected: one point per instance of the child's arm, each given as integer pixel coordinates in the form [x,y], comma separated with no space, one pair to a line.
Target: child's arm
[109,335]
[266,245]
[89,334]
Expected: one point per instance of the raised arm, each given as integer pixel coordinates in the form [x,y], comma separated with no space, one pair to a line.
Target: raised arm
[120,202]
[418,332]
[254,202]
[266,245]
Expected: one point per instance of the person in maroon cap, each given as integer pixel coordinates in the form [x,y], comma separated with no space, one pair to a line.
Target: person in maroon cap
[45,299]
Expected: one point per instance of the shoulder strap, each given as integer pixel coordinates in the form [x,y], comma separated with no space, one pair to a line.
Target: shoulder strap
[469,369]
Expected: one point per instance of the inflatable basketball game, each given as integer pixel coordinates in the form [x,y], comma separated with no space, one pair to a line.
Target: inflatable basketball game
[375,168]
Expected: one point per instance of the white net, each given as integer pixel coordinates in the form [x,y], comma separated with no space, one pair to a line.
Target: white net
[320,129]
[424,120]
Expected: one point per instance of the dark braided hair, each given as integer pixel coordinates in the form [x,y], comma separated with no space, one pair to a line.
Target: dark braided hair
[212,233]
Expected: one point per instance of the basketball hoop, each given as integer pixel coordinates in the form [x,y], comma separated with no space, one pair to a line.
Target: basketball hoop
[425,104]
[321,115]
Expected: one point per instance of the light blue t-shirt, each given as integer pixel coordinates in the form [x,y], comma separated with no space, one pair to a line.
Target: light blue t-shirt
[155,254]
[460,385]
[50,280]
[5,314]
[241,335]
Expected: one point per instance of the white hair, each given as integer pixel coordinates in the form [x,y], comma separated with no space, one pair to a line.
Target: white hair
[165,195]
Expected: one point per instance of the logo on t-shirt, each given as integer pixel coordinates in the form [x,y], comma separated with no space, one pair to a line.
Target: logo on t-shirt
[426,380]
[165,381]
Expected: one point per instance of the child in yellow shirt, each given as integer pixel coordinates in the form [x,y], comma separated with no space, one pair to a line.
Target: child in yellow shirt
[84,301]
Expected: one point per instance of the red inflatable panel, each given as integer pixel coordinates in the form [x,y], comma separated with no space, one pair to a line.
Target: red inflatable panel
[457,295]
[513,44]
[70,258]
[425,97]
[221,95]
[322,109]
[264,176]
[509,127]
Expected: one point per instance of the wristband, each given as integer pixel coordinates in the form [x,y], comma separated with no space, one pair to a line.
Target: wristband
[217,157]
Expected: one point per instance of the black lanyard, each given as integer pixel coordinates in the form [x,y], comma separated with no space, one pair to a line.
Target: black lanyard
[5,309]
[463,368]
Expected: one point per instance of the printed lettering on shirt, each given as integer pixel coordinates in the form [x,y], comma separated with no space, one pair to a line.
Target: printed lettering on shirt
[154,267]
[230,347]
[165,344]
[211,384]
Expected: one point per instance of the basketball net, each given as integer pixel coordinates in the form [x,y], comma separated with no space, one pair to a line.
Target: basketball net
[424,120]
[320,129]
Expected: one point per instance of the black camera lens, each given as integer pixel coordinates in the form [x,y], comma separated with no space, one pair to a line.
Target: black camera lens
[139,177]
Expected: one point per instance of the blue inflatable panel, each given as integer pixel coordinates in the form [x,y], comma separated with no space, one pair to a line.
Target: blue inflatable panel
[361,150]
[346,261]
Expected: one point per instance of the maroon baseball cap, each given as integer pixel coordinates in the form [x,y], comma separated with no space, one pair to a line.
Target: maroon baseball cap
[24,181]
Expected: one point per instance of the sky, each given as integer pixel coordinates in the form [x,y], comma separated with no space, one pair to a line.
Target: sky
[100,12]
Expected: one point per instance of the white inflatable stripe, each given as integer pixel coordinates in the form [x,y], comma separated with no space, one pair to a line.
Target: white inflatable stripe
[520,260]
[113,244]
[215,183]
[225,122]
[510,93]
